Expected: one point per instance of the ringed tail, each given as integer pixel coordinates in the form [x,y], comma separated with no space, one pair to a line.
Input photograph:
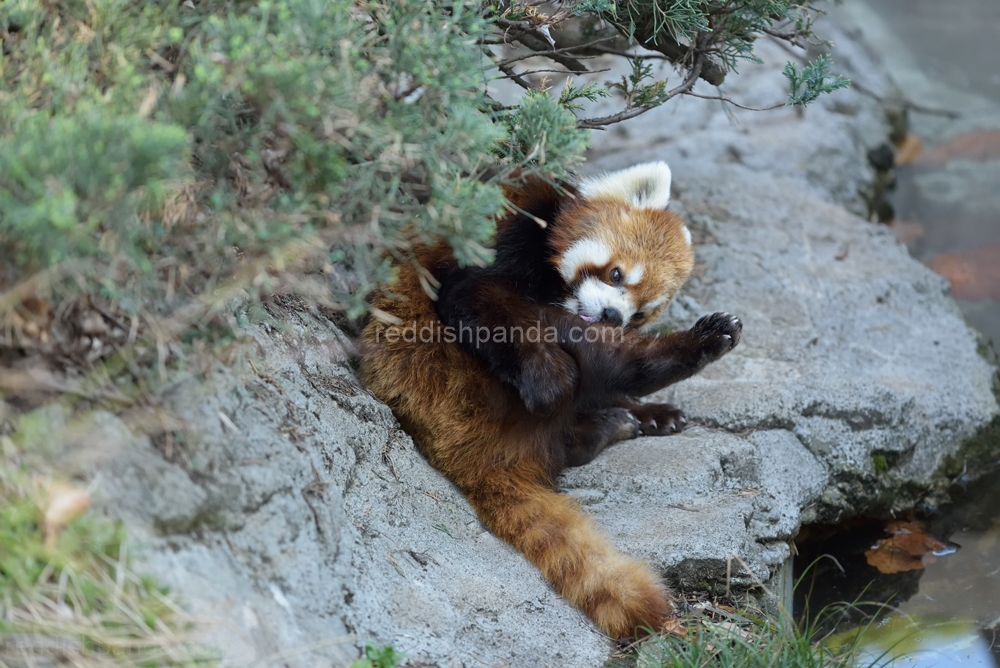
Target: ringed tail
[621,595]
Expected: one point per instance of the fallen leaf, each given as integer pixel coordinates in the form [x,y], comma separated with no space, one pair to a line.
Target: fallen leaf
[908,548]
[908,149]
[63,504]
[974,274]
[979,146]
[674,627]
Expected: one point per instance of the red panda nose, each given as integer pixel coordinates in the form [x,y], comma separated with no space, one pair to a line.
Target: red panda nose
[612,315]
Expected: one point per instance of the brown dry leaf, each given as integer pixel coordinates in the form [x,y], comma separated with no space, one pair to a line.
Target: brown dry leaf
[908,548]
[889,560]
[31,317]
[979,146]
[908,149]
[674,627]
[974,274]
[63,504]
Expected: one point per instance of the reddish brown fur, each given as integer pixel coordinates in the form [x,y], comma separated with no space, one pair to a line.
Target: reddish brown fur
[456,412]
[503,442]
[459,416]
[651,237]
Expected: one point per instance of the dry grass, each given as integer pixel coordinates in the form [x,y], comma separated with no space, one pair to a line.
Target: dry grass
[69,594]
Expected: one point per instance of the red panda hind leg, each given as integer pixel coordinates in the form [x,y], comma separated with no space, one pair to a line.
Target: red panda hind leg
[656,419]
[621,595]
[595,431]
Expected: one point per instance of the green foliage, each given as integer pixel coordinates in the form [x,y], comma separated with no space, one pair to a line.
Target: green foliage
[812,82]
[379,657]
[681,19]
[583,7]
[711,38]
[136,135]
[637,93]
[262,142]
[25,557]
[64,181]
[590,91]
[749,643]
[544,134]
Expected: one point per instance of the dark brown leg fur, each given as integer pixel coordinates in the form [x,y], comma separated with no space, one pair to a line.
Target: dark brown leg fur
[597,430]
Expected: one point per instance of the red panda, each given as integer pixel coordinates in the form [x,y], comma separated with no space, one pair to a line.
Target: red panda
[535,362]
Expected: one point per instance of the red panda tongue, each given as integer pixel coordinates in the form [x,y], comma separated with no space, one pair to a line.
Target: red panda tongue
[588,318]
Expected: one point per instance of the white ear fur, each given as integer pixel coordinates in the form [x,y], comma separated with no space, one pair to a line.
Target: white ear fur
[646,186]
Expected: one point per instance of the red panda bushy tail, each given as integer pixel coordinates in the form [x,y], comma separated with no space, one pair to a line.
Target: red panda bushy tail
[621,595]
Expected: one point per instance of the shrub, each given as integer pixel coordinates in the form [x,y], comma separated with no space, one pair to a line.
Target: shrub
[163,141]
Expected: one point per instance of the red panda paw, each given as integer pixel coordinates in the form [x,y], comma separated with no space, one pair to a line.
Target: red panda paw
[547,380]
[716,334]
[659,419]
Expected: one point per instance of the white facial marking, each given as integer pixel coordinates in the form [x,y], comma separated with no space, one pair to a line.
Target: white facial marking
[595,295]
[644,186]
[585,251]
[634,275]
[687,234]
[656,303]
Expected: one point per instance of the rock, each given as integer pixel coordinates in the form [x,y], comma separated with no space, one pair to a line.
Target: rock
[298,521]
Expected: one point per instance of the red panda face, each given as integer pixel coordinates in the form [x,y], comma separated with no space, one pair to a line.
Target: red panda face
[622,255]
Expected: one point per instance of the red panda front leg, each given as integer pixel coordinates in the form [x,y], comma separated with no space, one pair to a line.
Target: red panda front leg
[664,361]
[640,365]
[690,351]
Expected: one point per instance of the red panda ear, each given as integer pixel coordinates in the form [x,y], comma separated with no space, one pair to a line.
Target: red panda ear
[646,186]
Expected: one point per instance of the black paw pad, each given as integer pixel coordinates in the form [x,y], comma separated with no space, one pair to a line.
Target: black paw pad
[717,334]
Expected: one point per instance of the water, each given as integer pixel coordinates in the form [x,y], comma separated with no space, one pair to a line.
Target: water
[942,55]
[946,614]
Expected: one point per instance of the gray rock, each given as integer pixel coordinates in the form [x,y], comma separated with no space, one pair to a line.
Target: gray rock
[297,521]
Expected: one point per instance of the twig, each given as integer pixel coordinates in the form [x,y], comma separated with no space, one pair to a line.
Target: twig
[526,73]
[514,76]
[790,37]
[677,53]
[542,47]
[685,86]
[548,54]
[947,113]
[723,98]
[781,44]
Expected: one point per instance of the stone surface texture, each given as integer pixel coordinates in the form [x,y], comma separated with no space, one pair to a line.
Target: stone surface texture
[297,521]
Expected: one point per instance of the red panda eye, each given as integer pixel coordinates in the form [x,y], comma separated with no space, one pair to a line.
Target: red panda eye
[616,275]
[638,316]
